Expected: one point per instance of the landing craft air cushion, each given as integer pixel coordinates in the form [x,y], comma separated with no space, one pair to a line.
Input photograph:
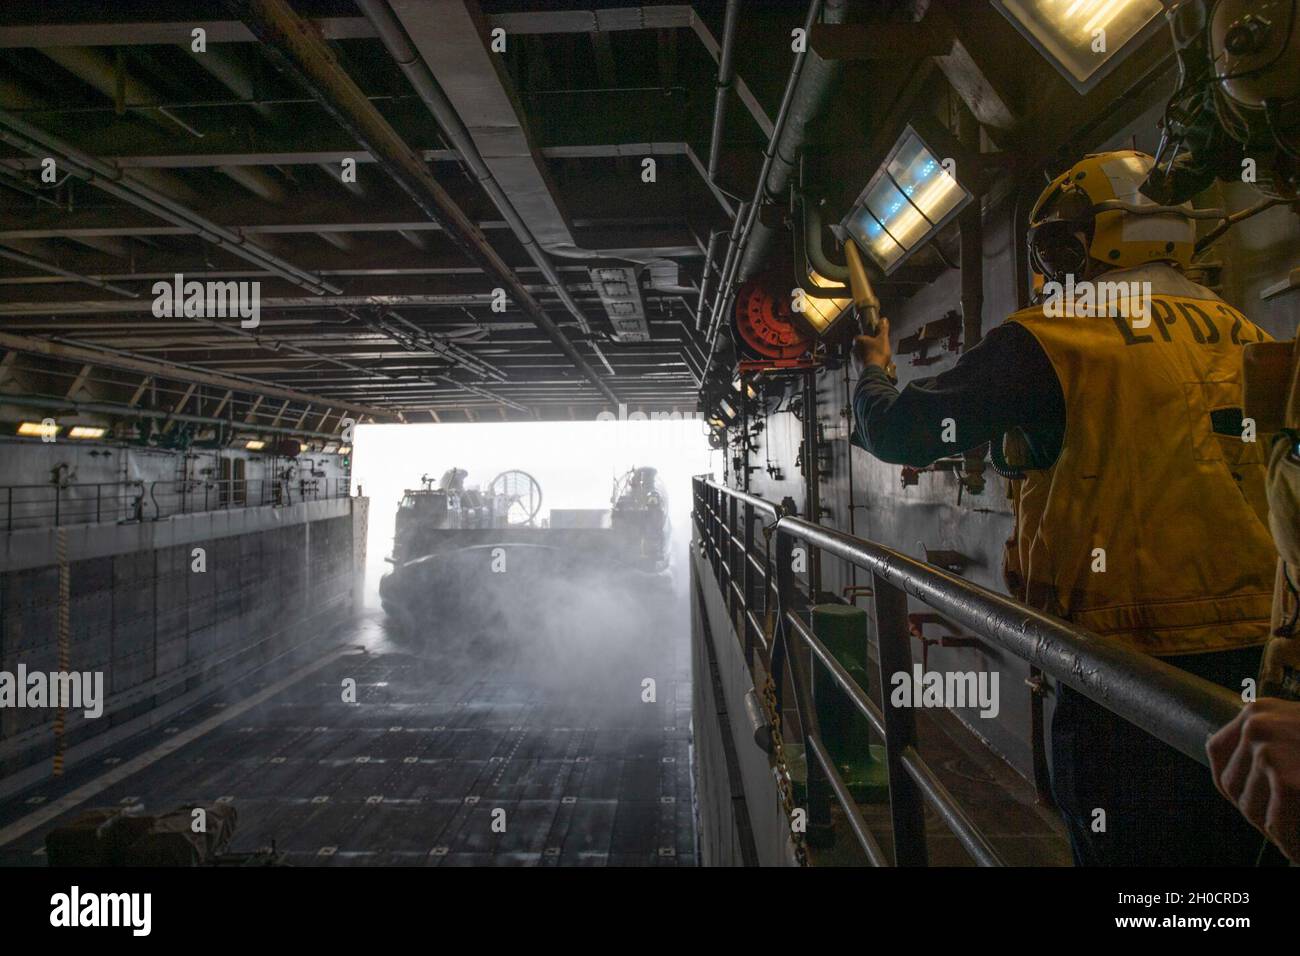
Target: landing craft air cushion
[477,556]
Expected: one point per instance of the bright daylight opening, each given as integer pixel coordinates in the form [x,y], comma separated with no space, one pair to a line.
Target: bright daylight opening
[576,464]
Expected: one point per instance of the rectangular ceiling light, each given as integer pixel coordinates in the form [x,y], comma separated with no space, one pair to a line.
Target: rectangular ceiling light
[37,430]
[821,314]
[910,198]
[1083,39]
[254,445]
[86,431]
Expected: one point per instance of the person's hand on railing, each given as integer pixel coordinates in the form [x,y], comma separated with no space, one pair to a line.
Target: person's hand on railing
[1255,761]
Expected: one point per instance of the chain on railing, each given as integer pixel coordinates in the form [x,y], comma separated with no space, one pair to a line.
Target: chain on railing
[1176,707]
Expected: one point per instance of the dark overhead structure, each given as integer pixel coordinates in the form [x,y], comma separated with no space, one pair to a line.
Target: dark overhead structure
[460,210]
[439,227]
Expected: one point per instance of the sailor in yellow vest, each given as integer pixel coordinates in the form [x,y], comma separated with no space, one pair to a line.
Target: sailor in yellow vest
[1142,513]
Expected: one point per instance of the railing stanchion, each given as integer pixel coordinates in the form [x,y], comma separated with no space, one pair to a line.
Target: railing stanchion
[788,600]
[747,583]
[711,501]
[731,561]
[906,803]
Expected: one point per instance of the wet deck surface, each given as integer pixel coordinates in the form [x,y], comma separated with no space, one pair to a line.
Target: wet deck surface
[587,772]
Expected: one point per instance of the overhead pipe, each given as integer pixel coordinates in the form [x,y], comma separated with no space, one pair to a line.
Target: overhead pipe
[724,290]
[13,179]
[95,69]
[774,176]
[426,86]
[110,79]
[226,70]
[302,53]
[445,346]
[418,339]
[813,84]
[808,252]
[704,278]
[66,273]
[260,184]
[109,245]
[110,179]
[128,411]
[726,74]
[75,351]
[813,241]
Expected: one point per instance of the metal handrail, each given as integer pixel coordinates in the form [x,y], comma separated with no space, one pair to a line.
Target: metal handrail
[57,504]
[1178,708]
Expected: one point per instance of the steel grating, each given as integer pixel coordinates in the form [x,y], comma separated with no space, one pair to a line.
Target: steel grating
[412,774]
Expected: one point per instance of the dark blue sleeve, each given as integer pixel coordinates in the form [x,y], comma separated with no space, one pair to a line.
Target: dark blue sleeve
[1003,382]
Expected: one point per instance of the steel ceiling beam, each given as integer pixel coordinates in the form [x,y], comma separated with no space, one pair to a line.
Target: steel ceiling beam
[666,17]
[104,176]
[112,359]
[333,157]
[531,206]
[304,55]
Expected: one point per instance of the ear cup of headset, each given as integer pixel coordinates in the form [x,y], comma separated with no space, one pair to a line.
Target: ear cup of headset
[1058,244]
[1057,249]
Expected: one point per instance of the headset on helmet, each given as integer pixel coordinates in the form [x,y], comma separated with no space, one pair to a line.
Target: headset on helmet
[1094,211]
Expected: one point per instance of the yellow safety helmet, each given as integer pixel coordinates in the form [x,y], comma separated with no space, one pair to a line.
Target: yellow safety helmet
[1094,210]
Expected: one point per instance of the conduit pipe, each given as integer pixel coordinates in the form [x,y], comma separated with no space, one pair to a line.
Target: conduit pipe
[726,74]
[778,160]
[110,179]
[66,273]
[426,86]
[301,52]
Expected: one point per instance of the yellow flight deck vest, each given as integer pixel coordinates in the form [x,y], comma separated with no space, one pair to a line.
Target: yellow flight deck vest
[1154,482]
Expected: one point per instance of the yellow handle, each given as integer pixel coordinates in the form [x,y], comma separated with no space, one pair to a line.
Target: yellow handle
[864,298]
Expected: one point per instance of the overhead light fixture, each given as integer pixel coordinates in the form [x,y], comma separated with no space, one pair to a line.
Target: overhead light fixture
[254,445]
[821,315]
[1083,39]
[38,429]
[910,198]
[86,431]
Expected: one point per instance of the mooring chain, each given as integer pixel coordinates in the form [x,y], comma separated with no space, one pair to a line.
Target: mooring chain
[783,779]
[783,784]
